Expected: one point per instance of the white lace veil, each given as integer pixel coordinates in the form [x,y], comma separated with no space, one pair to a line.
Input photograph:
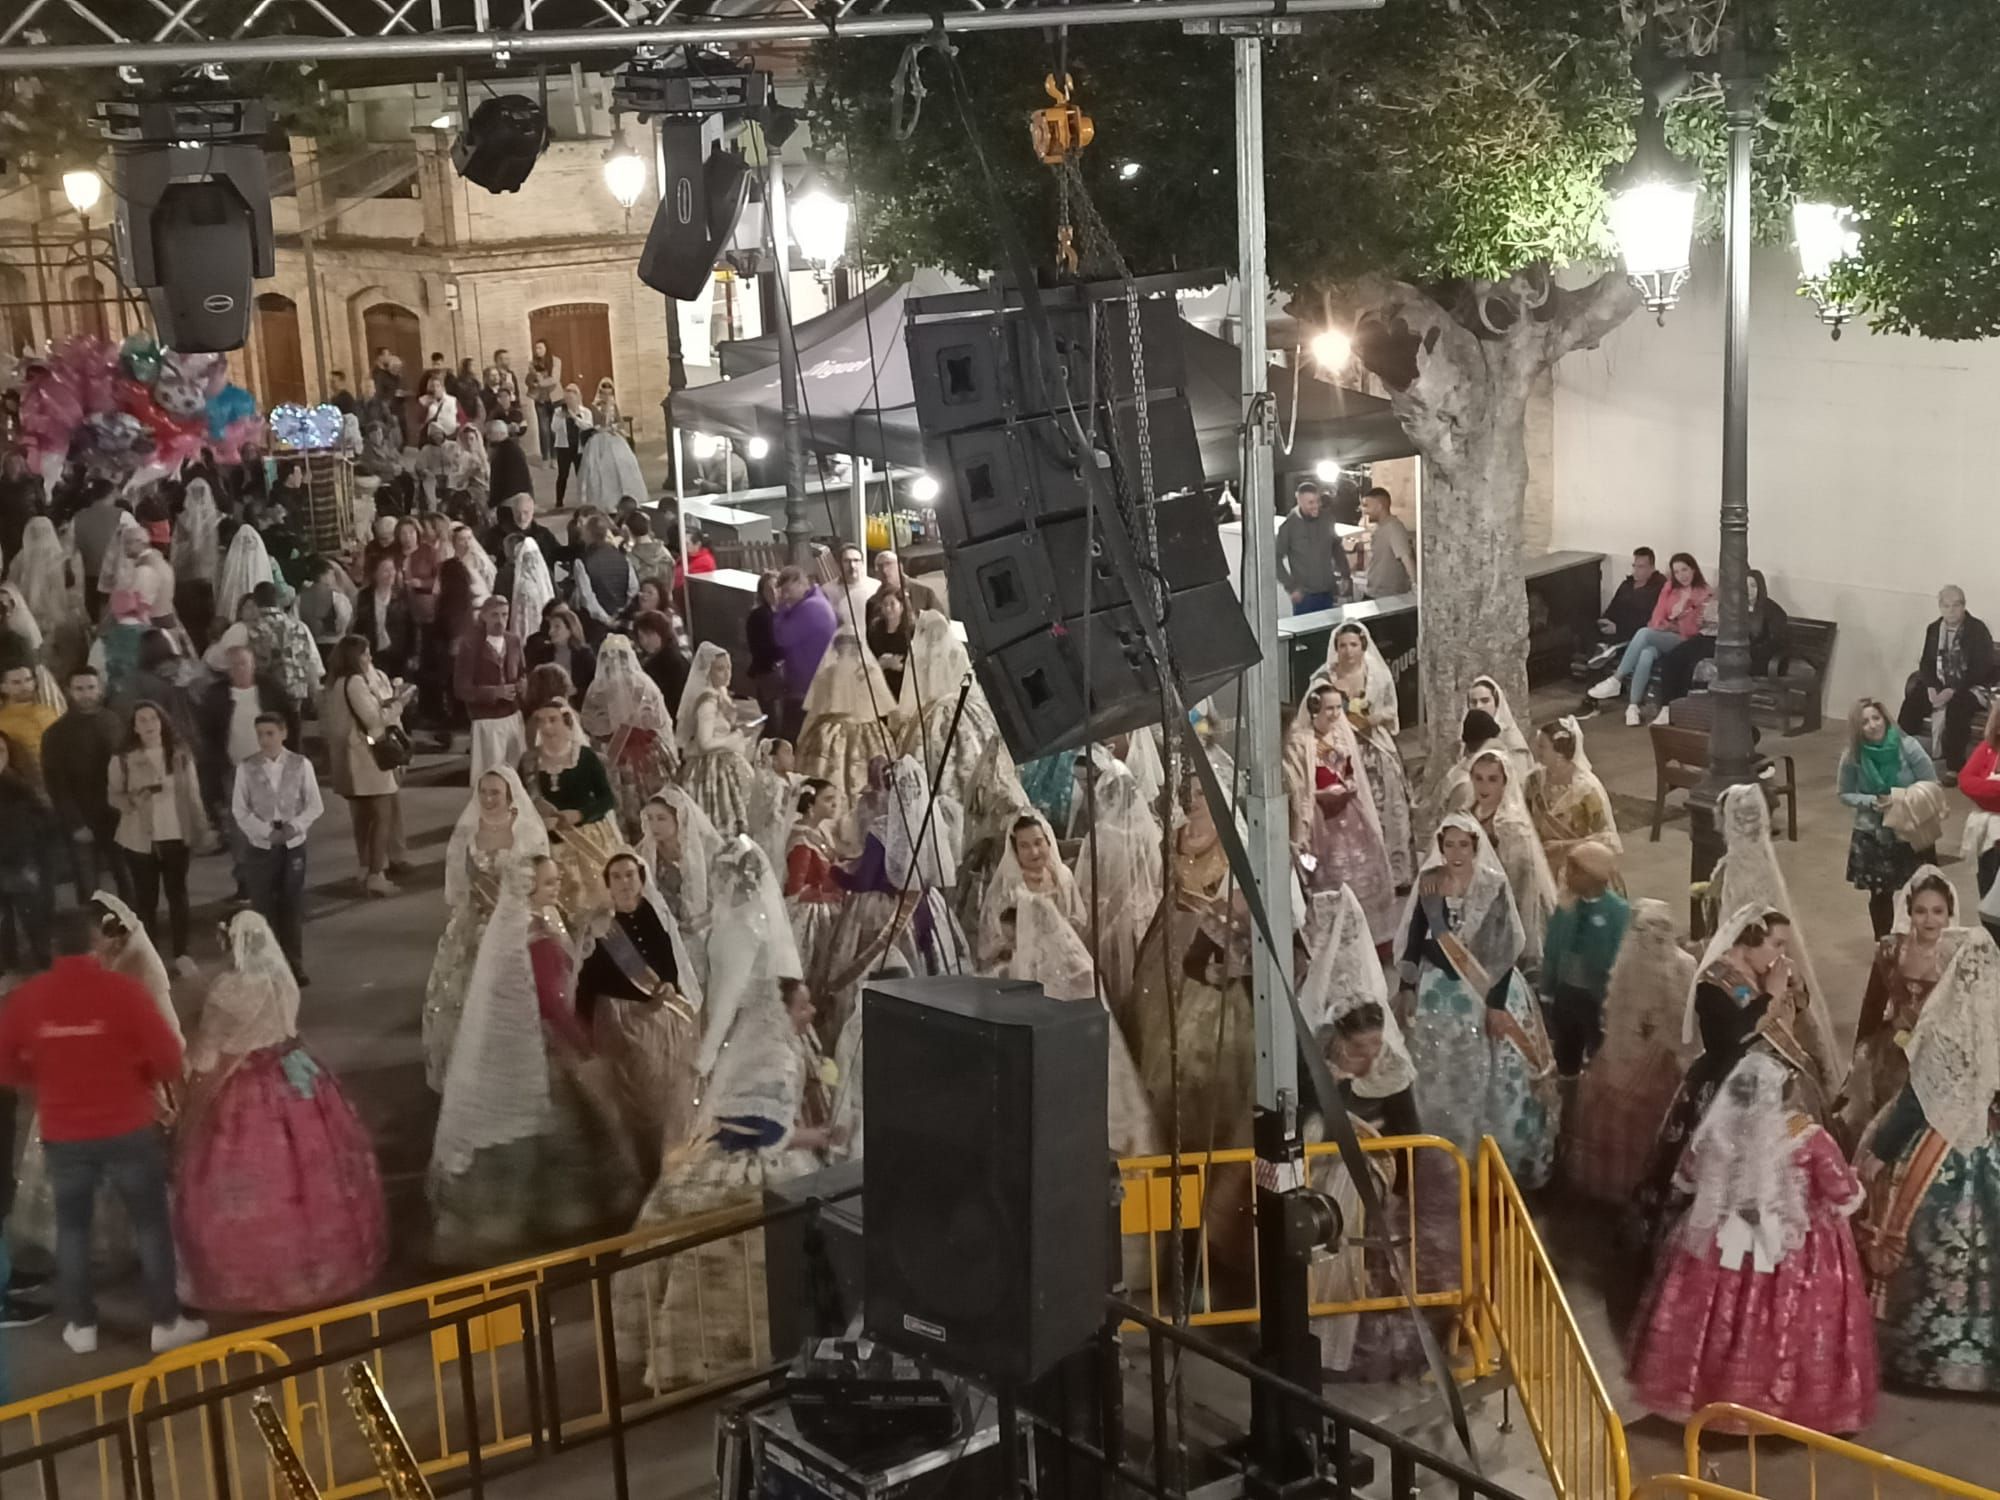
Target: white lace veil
[1142,759]
[116,568]
[621,694]
[246,565]
[1650,982]
[1581,760]
[531,837]
[848,682]
[1511,737]
[1955,1050]
[21,622]
[686,717]
[1004,886]
[773,804]
[1381,688]
[750,946]
[689,984]
[1748,874]
[139,959]
[1488,892]
[478,562]
[1120,856]
[1721,942]
[701,842]
[1305,739]
[40,571]
[1047,950]
[910,797]
[1345,974]
[938,661]
[197,535]
[1749,1193]
[496,1085]
[1901,922]
[533,588]
[255,953]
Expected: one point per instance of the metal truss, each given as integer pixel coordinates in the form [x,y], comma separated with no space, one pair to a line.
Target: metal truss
[218,34]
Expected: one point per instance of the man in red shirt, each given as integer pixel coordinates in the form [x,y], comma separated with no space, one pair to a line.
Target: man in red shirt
[94,1049]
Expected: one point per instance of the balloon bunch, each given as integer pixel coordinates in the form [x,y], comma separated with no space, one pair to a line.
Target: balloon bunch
[133,407]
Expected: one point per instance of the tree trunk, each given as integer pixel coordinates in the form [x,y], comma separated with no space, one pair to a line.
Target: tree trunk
[1459,379]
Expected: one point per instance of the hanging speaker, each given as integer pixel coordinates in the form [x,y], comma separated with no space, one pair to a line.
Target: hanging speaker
[703,187]
[501,143]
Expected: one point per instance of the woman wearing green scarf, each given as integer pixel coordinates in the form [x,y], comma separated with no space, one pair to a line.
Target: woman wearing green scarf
[1879,758]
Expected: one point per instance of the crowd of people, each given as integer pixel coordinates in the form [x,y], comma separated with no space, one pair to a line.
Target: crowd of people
[679,863]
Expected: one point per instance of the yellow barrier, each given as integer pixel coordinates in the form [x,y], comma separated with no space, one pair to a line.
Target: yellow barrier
[1682,1487]
[1576,1427]
[1864,1468]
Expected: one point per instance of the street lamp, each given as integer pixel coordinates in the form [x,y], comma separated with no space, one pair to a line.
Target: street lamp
[1331,348]
[1827,236]
[1651,211]
[625,172]
[83,188]
[819,228]
[925,489]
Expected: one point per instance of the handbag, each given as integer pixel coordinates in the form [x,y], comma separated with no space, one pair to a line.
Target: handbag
[391,748]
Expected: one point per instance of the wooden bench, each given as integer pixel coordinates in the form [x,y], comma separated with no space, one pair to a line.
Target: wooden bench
[1680,758]
[1792,698]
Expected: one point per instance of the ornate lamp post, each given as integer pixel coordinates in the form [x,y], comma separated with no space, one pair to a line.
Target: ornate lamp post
[1827,236]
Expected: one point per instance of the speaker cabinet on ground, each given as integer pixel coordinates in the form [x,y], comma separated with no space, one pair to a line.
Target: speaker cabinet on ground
[813,1260]
[985,1196]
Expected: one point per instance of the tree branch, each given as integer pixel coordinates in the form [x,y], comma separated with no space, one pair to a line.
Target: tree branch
[1584,316]
[1398,326]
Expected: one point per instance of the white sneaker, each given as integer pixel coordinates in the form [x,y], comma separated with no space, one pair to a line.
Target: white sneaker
[1632,715]
[1609,688]
[80,1340]
[1662,716]
[175,1335]
[186,967]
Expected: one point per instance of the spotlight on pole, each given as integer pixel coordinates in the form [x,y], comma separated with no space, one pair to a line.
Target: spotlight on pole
[1651,211]
[625,171]
[83,188]
[924,489]
[1827,236]
[1326,471]
[1331,348]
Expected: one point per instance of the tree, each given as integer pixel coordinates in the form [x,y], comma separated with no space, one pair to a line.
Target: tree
[1435,183]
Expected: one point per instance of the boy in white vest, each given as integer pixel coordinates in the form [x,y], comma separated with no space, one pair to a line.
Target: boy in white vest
[276,799]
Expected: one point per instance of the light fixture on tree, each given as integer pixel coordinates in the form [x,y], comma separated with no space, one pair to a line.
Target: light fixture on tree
[1331,348]
[1651,210]
[1827,236]
[83,188]
[819,229]
[625,171]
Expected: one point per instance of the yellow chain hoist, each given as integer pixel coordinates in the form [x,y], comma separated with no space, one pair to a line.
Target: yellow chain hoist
[1059,132]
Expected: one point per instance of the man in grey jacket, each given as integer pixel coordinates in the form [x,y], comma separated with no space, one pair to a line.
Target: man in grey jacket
[1312,565]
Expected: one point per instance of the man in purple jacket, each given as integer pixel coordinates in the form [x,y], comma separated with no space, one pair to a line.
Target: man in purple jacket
[802,627]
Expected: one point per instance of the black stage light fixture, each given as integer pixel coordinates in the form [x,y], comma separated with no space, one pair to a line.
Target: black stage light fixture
[501,142]
[194,213]
[697,97]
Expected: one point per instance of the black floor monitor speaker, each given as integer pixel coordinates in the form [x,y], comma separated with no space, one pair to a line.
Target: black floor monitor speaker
[813,1260]
[985,1200]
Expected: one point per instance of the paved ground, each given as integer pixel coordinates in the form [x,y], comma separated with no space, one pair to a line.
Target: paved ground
[369,959]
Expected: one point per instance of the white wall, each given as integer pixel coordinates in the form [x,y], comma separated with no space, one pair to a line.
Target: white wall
[1871,470]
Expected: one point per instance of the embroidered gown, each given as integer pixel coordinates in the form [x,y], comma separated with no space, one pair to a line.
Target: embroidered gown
[647,1038]
[581,850]
[457,949]
[1890,1009]
[714,769]
[1345,843]
[813,898]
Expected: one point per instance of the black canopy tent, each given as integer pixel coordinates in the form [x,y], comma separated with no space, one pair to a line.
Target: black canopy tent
[856,397]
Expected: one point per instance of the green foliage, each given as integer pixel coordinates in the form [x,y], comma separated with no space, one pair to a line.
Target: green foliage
[1443,139]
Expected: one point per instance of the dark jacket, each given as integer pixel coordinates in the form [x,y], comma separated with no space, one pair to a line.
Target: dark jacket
[761,640]
[76,767]
[668,668]
[582,660]
[1632,606]
[507,471]
[212,713]
[1978,653]
[400,628]
[20,502]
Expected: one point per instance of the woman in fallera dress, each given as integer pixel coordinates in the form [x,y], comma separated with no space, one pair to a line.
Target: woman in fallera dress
[277,1201]
[941,669]
[678,846]
[1483,1061]
[715,754]
[1118,877]
[1502,813]
[1567,802]
[1759,1298]
[849,718]
[1335,826]
[1485,694]
[813,897]
[1907,966]
[1628,1086]
[639,999]
[1931,1167]
[572,795]
[626,717]
[497,828]
[1356,667]
[1030,864]
[526,1150]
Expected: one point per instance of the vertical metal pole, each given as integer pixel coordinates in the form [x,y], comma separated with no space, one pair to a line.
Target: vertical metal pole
[858,497]
[798,526]
[320,365]
[1264,806]
[1731,753]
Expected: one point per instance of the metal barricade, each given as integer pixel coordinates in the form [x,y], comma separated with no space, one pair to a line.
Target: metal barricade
[1815,1465]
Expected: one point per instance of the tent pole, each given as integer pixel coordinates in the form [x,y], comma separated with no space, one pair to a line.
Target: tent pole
[681,526]
[858,487]
[798,526]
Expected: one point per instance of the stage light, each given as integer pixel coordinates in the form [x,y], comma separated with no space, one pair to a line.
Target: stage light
[924,489]
[1127,170]
[1326,471]
[757,448]
[704,445]
[1332,348]
[501,143]
[625,172]
[83,188]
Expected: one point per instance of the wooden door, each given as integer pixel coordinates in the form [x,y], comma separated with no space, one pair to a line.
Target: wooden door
[386,325]
[281,356]
[579,334]
[86,310]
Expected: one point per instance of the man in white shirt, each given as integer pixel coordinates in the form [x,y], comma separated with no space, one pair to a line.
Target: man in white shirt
[854,589]
[276,800]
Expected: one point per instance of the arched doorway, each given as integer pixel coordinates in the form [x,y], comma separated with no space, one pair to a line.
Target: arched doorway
[87,312]
[578,334]
[280,358]
[386,325]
